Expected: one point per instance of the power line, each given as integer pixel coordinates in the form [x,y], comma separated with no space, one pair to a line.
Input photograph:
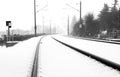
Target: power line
[72,7]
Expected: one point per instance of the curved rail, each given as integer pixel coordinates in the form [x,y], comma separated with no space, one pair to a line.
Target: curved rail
[100,59]
[34,72]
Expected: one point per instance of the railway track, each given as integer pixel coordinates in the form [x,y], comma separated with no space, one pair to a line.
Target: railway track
[34,72]
[110,41]
[100,59]
[97,40]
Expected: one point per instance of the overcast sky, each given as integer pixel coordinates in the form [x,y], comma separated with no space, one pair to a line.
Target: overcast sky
[20,12]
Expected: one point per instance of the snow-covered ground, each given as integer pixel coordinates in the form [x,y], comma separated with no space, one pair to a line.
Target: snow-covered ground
[17,61]
[105,50]
[57,60]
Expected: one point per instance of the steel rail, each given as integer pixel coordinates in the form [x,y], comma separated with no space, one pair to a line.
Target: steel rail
[100,59]
[34,72]
[97,40]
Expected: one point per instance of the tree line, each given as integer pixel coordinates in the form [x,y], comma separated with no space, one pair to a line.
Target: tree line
[107,23]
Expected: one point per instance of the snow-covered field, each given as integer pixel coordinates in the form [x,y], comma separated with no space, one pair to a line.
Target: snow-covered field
[57,60]
[17,61]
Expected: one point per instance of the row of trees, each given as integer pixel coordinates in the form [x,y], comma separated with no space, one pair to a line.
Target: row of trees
[108,20]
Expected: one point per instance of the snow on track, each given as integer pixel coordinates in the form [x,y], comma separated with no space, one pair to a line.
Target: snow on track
[105,50]
[57,60]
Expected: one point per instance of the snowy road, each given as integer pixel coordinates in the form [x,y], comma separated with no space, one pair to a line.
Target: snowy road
[57,60]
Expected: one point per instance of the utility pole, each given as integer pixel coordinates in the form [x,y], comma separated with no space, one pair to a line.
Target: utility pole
[50,26]
[68,25]
[80,13]
[43,24]
[35,27]
[8,34]
[119,16]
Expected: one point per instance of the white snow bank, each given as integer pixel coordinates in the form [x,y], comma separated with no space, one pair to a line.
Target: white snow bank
[17,61]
